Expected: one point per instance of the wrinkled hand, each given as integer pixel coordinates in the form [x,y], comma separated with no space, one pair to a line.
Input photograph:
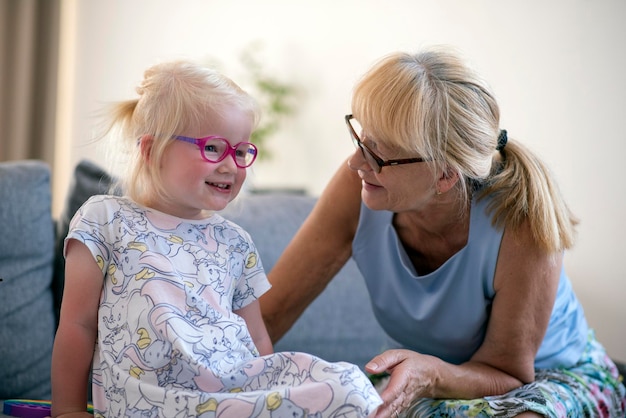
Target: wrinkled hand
[412,376]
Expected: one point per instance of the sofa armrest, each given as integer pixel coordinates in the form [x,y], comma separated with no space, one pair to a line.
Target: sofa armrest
[27,322]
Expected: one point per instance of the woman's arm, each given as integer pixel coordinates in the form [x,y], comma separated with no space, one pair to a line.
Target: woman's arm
[251,313]
[526,281]
[317,252]
[76,336]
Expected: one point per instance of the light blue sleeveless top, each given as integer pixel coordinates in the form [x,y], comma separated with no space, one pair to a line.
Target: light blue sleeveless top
[445,313]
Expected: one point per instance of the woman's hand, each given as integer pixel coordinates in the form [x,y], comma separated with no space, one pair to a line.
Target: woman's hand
[412,376]
[415,376]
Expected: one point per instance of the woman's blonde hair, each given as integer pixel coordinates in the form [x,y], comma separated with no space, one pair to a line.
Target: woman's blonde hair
[174,97]
[433,105]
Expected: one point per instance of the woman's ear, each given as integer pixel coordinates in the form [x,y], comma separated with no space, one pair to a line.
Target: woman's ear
[447,179]
[145,146]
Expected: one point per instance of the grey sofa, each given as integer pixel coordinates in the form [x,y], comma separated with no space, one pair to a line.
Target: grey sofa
[339,325]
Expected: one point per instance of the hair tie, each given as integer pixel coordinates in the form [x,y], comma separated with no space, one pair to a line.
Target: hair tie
[502,140]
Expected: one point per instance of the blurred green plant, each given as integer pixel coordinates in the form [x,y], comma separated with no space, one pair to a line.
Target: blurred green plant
[276,98]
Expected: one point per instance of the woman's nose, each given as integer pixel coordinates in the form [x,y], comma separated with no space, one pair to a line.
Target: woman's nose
[357,161]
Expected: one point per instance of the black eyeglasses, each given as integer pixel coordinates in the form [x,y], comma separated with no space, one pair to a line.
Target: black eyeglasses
[374,161]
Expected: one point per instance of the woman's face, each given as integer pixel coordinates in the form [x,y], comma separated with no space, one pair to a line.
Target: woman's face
[195,185]
[395,188]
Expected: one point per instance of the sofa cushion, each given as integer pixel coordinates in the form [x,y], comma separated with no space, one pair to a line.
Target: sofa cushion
[89,179]
[27,323]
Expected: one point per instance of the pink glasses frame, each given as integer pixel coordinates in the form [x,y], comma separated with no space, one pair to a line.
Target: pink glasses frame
[251,151]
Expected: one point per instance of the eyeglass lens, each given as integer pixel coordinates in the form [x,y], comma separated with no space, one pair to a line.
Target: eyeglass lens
[367,154]
[216,149]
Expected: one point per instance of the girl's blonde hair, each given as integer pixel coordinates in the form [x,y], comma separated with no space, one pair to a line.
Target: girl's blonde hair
[174,97]
[433,105]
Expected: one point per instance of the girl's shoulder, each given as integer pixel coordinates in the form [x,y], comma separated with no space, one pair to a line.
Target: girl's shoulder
[106,200]
[104,204]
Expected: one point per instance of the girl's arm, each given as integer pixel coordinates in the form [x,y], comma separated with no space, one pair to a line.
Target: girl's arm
[251,313]
[318,251]
[76,336]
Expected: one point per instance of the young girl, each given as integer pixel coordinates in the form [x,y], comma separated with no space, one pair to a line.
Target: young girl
[161,292]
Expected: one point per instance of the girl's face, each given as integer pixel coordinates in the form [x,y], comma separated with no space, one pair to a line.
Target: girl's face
[197,187]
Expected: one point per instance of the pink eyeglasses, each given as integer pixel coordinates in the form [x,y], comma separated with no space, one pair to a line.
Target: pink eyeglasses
[214,149]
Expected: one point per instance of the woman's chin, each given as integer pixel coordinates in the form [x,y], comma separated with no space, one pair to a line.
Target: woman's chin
[373,200]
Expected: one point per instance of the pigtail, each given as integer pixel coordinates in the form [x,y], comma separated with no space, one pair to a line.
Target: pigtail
[523,189]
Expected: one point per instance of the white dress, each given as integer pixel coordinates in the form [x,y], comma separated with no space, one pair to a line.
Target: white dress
[169,343]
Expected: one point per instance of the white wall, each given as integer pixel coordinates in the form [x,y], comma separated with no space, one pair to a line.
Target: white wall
[557,67]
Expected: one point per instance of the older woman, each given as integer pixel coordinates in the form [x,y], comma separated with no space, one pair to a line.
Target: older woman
[459,233]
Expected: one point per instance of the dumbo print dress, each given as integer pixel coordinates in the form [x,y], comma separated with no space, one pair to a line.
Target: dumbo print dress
[169,344]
